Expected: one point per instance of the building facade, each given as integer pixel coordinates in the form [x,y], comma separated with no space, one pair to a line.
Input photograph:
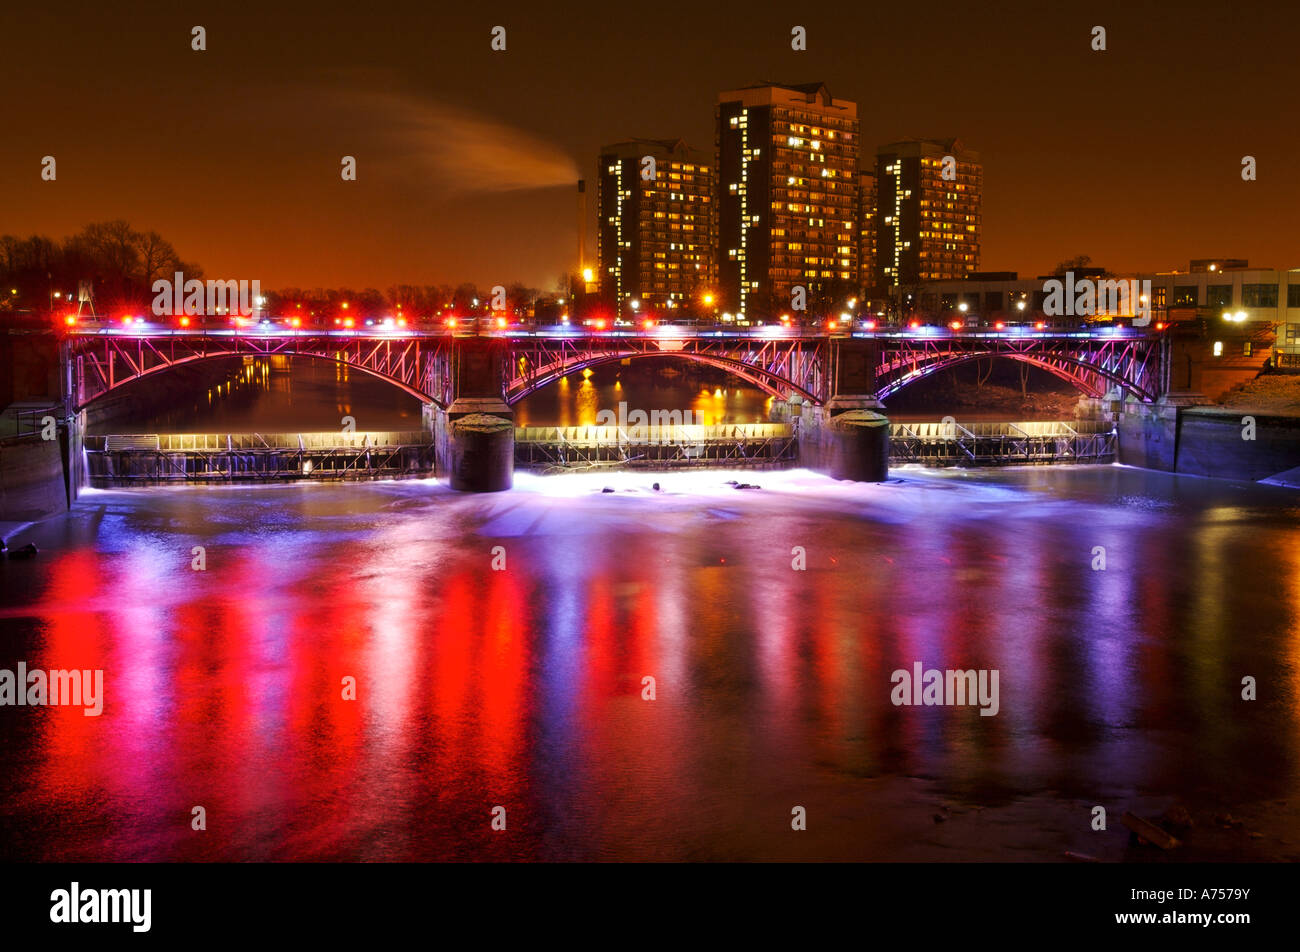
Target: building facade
[656,225]
[787,159]
[927,211]
[867,202]
[1228,323]
[1248,296]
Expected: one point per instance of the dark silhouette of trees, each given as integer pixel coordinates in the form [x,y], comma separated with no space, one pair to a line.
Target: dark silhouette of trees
[119,262]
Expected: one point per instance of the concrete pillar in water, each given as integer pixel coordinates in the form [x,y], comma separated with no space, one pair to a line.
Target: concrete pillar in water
[72,445]
[846,439]
[474,442]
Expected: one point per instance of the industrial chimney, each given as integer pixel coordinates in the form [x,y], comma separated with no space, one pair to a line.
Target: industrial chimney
[582,230]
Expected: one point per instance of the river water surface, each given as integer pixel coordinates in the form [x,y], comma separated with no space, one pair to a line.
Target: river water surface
[499,646]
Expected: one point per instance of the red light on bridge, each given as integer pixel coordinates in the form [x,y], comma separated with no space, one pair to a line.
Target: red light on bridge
[600,325]
[126,320]
[869,325]
[1160,326]
[830,325]
[185,322]
[296,322]
[501,322]
[70,320]
[1039,326]
[401,322]
[955,325]
[451,322]
[647,324]
[999,326]
[348,322]
[915,324]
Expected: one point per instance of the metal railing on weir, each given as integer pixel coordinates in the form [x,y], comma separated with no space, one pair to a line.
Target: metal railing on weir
[124,459]
[949,443]
[559,448]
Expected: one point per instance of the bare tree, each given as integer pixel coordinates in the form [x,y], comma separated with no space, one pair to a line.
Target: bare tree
[157,258]
[1077,263]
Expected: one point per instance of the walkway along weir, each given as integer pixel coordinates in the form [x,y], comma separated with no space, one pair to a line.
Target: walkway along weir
[132,459]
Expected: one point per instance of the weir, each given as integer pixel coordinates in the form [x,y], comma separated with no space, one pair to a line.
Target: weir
[142,459]
[991,444]
[562,448]
[133,459]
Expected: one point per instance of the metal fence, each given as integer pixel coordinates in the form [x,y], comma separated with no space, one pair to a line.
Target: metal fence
[984,444]
[554,448]
[26,420]
[124,459]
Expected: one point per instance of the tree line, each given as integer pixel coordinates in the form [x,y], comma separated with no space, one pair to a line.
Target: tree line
[120,264]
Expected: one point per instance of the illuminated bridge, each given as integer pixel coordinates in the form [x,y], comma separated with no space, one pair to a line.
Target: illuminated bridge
[440,367]
[831,386]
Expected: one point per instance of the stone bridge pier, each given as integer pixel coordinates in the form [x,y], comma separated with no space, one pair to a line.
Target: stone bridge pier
[474,436]
[848,436]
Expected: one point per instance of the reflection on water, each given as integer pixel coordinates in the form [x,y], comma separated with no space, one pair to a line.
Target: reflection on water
[523,687]
[709,397]
[276,394]
[279,395]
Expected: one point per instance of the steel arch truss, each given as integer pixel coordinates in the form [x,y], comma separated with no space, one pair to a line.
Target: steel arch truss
[779,366]
[103,362]
[1094,365]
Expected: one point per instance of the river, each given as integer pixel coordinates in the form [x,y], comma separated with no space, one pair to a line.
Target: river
[500,646]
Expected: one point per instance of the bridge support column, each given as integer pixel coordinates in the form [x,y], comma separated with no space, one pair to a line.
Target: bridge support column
[474,437]
[474,443]
[848,438]
[72,446]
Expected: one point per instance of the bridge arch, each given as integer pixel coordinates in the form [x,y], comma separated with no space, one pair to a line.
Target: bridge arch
[520,386]
[93,380]
[1089,378]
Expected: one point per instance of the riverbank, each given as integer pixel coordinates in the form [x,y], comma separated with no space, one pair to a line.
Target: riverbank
[1215,441]
[32,484]
[1272,394]
[990,402]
